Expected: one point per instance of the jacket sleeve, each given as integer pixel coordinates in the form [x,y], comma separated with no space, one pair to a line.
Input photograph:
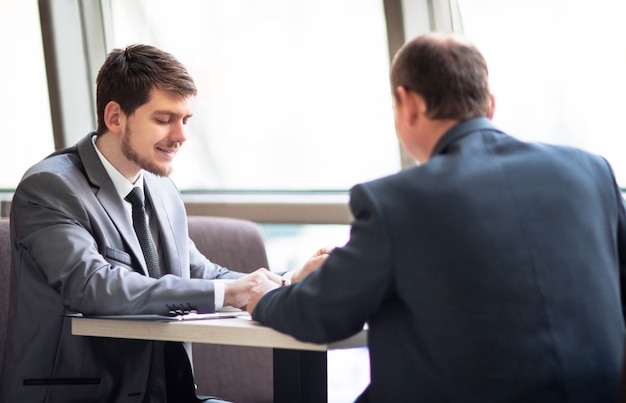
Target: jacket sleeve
[66,240]
[621,245]
[334,302]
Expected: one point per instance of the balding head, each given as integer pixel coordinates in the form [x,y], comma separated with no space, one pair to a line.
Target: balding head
[448,71]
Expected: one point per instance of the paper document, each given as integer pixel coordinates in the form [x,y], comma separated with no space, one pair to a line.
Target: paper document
[168,318]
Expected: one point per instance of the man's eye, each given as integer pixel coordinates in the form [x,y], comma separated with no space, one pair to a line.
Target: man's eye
[161,121]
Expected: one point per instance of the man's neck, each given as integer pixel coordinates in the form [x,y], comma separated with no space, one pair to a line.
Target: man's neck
[108,145]
[430,132]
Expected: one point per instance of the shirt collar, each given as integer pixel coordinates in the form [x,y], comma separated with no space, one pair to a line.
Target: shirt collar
[122,185]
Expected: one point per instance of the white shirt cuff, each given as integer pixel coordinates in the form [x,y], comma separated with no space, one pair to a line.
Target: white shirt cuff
[218,292]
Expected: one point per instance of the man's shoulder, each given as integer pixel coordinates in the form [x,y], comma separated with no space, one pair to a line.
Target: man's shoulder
[57,163]
[66,160]
[569,155]
[390,186]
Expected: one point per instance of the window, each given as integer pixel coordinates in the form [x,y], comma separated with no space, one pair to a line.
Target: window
[293,95]
[27,128]
[556,70]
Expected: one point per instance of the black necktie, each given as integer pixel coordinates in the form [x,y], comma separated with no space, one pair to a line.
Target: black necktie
[156,380]
[140,223]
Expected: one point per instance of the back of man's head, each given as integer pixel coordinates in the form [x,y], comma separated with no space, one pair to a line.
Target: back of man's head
[448,72]
[128,75]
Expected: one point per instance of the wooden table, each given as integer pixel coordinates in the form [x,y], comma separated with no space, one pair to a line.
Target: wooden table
[300,368]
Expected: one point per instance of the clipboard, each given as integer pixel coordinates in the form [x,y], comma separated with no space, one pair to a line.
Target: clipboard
[169,318]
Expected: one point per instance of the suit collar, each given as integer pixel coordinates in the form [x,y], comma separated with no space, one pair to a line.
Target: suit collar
[94,170]
[461,130]
[104,188]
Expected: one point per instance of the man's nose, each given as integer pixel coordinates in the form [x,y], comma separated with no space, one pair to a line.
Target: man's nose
[179,132]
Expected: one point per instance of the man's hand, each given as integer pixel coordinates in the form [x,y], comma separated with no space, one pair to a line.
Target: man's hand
[257,292]
[264,285]
[312,264]
[237,292]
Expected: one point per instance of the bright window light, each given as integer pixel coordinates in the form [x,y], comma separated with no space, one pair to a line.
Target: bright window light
[293,95]
[557,70]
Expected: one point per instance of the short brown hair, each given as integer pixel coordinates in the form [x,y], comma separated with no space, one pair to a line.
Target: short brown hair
[129,75]
[448,72]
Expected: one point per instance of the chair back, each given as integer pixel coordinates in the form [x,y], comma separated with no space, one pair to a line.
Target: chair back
[233,373]
[5,285]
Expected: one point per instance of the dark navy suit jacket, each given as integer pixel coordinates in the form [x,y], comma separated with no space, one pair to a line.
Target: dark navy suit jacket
[491,273]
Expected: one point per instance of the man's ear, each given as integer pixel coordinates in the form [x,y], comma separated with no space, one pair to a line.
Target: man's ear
[407,104]
[492,106]
[113,117]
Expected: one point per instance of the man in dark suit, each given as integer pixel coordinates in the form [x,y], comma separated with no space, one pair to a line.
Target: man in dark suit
[491,272]
[75,248]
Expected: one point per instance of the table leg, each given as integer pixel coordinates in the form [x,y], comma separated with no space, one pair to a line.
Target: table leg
[300,376]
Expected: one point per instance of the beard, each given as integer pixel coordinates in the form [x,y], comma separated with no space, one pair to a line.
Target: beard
[143,162]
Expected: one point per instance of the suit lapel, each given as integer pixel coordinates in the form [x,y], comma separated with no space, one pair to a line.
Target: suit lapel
[108,197]
[111,202]
[168,245]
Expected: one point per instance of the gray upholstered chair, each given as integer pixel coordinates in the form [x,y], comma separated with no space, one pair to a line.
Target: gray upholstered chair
[238,374]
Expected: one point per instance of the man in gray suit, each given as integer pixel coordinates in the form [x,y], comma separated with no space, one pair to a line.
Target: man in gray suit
[75,249]
[491,272]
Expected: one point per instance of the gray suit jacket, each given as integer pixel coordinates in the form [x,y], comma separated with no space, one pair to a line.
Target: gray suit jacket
[74,250]
[492,273]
